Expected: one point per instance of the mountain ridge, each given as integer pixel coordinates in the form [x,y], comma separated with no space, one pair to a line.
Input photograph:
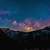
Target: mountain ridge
[7,33]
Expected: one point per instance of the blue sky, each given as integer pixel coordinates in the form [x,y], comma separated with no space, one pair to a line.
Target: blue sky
[35,9]
[21,9]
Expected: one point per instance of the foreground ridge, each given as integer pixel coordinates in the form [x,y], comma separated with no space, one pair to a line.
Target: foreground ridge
[42,34]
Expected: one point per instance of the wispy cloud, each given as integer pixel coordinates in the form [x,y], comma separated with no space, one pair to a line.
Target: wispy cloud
[4,22]
[21,26]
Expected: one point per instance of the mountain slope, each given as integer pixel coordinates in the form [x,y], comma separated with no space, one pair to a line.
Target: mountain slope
[42,34]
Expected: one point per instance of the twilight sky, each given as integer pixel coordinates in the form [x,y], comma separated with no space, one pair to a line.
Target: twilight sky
[32,8]
[22,9]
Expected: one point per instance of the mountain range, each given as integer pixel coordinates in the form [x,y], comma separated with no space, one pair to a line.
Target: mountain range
[25,39]
[42,34]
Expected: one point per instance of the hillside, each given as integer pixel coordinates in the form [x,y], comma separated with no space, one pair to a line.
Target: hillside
[42,34]
[25,39]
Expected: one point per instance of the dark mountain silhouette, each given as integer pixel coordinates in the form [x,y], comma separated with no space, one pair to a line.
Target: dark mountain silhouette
[41,34]
[26,38]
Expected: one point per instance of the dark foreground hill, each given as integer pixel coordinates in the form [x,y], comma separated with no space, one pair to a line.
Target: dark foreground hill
[25,37]
[43,34]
